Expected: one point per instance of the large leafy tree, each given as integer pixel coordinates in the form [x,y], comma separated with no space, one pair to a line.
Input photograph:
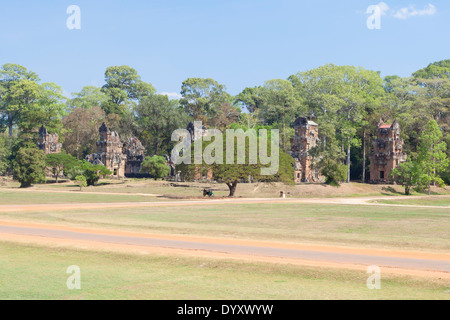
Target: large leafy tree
[439,69]
[432,154]
[88,97]
[13,95]
[27,104]
[123,89]
[281,105]
[156,118]
[60,162]
[201,98]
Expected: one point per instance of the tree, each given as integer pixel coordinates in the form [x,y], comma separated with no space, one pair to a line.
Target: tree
[432,154]
[82,131]
[156,118]
[440,69]
[250,98]
[29,166]
[280,103]
[14,96]
[93,173]
[156,166]
[123,89]
[241,167]
[201,98]
[59,162]
[407,174]
[88,97]
[81,180]
[4,152]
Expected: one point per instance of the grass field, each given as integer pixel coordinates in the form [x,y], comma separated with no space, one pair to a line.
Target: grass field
[32,272]
[433,201]
[254,190]
[356,225]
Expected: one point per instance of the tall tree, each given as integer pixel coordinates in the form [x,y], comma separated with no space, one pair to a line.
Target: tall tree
[157,117]
[432,154]
[88,97]
[201,98]
[14,96]
[123,89]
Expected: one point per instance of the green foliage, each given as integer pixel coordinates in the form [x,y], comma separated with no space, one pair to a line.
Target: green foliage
[232,172]
[156,118]
[92,173]
[408,175]
[87,98]
[333,170]
[123,88]
[156,166]
[4,152]
[440,69]
[60,162]
[432,154]
[202,98]
[81,181]
[29,166]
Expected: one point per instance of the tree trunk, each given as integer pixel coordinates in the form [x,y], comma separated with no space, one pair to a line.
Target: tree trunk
[348,161]
[10,124]
[232,186]
[364,157]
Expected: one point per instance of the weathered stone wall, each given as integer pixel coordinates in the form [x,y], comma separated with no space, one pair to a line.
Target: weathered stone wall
[49,143]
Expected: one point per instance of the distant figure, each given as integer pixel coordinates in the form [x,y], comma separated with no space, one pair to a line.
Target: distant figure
[282,195]
[208,192]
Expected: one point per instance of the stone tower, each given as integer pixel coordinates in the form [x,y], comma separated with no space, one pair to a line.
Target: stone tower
[387,152]
[49,143]
[109,152]
[306,137]
[135,153]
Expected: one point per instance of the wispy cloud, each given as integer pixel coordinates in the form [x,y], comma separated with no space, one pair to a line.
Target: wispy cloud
[171,95]
[411,11]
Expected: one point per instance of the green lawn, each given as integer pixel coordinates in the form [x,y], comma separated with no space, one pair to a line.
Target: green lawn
[42,197]
[33,272]
[433,201]
[354,225]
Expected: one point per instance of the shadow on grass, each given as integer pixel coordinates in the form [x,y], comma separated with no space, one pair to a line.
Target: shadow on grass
[389,191]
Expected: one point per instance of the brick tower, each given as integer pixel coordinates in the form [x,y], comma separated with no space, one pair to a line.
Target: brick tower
[306,137]
[387,152]
[49,143]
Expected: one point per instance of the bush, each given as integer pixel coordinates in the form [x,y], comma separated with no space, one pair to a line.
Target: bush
[29,166]
[156,166]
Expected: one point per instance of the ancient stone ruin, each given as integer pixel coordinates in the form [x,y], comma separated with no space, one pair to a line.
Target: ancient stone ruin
[306,137]
[121,159]
[49,143]
[387,152]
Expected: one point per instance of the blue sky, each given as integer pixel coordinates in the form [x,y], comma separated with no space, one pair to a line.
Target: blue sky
[239,43]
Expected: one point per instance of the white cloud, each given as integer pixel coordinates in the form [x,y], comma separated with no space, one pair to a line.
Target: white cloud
[411,11]
[171,95]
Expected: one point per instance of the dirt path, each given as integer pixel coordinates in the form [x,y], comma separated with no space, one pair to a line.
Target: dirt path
[343,201]
[419,263]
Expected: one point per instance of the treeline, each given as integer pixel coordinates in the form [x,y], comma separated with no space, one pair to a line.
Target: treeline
[346,101]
